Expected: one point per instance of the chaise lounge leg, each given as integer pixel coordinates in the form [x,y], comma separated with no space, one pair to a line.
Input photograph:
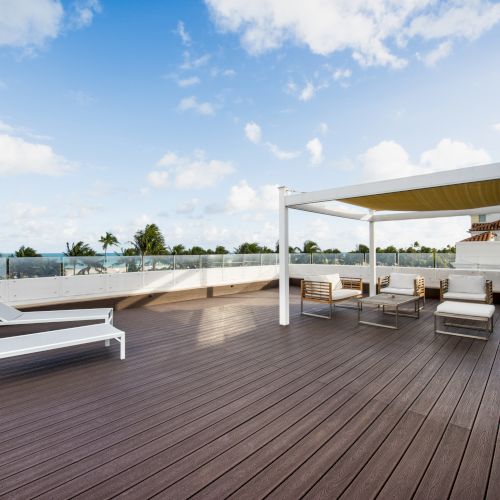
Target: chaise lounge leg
[107,343]
[122,346]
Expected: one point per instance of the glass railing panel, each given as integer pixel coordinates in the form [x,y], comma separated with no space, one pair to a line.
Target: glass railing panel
[445,260]
[269,259]
[187,262]
[416,260]
[251,259]
[324,258]
[233,260]
[34,267]
[3,268]
[300,258]
[349,259]
[81,266]
[158,262]
[385,259]
[212,261]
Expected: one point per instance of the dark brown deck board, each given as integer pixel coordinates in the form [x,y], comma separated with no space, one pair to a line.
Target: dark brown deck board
[215,398]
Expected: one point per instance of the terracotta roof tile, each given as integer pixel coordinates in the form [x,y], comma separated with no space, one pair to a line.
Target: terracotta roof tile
[487,236]
[486,226]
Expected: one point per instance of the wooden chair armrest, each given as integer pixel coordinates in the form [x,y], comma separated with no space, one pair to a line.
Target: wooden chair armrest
[419,286]
[489,292]
[354,283]
[382,282]
[316,291]
[443,288]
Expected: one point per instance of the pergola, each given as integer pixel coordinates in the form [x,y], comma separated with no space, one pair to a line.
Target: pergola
[451,193]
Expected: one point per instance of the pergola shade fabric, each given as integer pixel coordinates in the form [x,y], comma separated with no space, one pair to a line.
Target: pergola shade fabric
[451,197]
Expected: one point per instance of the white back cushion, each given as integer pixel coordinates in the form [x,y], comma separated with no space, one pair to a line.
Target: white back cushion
[334,279]
[8,313]
[402,280]
[466,284]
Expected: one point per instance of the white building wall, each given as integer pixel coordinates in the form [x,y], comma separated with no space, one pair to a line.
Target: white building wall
[478,254]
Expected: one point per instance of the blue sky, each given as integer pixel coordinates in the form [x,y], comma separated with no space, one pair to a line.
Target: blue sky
[114,114]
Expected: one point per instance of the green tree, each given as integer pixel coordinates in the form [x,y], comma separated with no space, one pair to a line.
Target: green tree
[26,252]
[332,250]
[362,248]
[310,247]
[178,250]
[220,250]
[196,250]
[108,240]
[248,248]
[79,249]
[149,241]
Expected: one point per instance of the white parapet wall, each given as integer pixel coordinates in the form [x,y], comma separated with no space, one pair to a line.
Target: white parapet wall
[42,291]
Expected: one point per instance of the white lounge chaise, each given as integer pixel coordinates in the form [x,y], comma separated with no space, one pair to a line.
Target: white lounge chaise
[12,316]
[57,339]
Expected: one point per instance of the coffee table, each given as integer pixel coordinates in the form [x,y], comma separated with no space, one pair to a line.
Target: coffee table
[393,303]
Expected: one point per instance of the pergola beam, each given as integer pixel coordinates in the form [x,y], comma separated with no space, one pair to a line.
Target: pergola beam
[321,209]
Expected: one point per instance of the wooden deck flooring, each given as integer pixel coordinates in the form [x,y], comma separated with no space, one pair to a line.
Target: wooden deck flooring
[216,400]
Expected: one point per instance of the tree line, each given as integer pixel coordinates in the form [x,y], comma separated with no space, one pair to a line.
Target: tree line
[150,241]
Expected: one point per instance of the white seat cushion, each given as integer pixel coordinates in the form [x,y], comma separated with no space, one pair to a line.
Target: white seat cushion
[466,284]
[475,297]
[8,313]
[402,280]
[334,279]
[344,293]
[397,291]
[465,309]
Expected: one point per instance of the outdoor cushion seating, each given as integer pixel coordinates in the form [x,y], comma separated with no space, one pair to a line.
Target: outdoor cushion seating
[57,339]
[12,316]
[467,288]
[471,312]
[328,289]
[402,284]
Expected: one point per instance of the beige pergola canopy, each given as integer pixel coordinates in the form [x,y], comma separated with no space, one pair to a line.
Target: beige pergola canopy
[465,191]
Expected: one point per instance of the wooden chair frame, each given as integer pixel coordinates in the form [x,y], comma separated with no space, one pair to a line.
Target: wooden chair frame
[321,292]
[418,288]
[443,288]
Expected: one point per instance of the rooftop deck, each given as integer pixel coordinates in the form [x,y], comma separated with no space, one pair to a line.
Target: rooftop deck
[216,399]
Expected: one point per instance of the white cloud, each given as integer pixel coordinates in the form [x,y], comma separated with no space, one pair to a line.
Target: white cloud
[18,156]
[84,12]
[253,132]
[242,197]
[187,207]
[188,82]
[229,72]
[323,128]
[388,159]
[183,34]
[315,149]
[29,23]
[442,51]
[496,127]
[196,63]
[81,97]
[367,29]
[307,93]
[158,179]
[341,74]
[191,103]
[189,173]
[280,154]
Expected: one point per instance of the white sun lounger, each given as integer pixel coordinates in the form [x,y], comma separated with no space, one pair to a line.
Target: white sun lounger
[57,339]
[12,316]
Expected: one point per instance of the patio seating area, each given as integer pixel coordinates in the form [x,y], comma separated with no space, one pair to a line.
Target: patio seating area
[216,399]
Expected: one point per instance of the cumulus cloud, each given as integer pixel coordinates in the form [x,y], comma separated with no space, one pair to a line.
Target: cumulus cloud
[307,93]
[315,149]
[192,103]
[253,132]
[84,12]
[388,159]
[187,207]
[183,34]
[18,156]
[281,154]
[341,74]
[189,173]
[442,51]
[323,128]
[496,127]
[242,197]
[368,29]
[190,63]
[188,82]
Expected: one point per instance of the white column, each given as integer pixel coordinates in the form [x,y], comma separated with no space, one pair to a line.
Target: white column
[284,275]
[373,259]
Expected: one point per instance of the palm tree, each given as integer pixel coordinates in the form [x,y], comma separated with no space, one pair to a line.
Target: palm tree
[178,250]
[79,249]
[26,252]
[311,247]
[108,240]
[149,241]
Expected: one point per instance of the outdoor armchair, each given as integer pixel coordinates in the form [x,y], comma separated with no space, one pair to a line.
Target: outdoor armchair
[465,288]
[402,284]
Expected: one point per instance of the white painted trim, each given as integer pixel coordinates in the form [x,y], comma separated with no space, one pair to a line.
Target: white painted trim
[435,214]
[321,209]
[425,181]
[373,260]
[284,273]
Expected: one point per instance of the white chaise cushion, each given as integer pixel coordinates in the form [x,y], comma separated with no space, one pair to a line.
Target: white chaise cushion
[344,293]
[334,279]
[466,284]
[477,297]
[402,280]
[465,309]
[8,313]
[397,291]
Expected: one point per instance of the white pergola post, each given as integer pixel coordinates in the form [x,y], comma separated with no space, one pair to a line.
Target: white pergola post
[284,270]
[372,280]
